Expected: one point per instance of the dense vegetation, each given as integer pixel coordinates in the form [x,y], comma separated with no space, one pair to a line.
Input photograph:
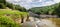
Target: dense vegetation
[15,7]
[51,10]
[9,13]
[4,4]
[7,17]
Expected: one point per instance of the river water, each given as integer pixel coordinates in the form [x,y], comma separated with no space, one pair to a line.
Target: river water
[35,22]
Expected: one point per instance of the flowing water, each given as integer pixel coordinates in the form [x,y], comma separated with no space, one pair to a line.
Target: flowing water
[35,22]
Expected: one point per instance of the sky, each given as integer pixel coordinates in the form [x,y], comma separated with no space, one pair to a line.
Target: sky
[33,3]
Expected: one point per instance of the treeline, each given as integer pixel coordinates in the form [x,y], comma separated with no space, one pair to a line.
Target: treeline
[4,4]
[49,10]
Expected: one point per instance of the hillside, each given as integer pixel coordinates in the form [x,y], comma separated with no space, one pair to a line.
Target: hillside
[12,15]
[8,16]
[49,10]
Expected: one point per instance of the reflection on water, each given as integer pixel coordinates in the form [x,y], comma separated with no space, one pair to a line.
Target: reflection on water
[34,22]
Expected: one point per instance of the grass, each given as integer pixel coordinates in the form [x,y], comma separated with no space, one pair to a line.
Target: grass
[12,12]
[7,16]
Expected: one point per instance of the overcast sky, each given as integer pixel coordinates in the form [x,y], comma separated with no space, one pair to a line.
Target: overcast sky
[33,3]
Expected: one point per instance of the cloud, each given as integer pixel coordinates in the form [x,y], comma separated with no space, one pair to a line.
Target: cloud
[56,1]
[33,3]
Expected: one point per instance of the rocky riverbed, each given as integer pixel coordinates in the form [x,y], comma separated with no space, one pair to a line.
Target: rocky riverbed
[35,22]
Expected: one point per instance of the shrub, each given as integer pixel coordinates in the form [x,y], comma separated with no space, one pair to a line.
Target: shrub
[7,16]
[7,22]
[9,5]
[2,6]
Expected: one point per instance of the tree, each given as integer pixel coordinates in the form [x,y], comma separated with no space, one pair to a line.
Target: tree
[10,5]
[3,1]
[57,10]
[45,9]
[2,6]
[18,7]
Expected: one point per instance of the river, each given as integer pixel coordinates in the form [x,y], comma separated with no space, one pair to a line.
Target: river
[35,22]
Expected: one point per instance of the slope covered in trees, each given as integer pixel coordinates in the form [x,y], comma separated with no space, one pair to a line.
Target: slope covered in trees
[4,4]
[51,10]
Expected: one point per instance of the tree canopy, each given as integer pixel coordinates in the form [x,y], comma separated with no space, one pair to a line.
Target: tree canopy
[4,4]
[51,10]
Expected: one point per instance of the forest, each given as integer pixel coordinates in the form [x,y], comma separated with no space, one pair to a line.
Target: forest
[48,10]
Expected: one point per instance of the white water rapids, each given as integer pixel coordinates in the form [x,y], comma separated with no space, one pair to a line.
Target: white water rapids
[34,22]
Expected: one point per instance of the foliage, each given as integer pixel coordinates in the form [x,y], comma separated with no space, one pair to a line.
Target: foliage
[3,1]
[15,7]
[2,6]
[14,13]
[4,19]
[10,5]
[7,16]
[18,7]
[57,10]
[45,9]
[7,22]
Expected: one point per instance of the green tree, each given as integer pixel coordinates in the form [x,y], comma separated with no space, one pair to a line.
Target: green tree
[3,1]
[57,10]
[18,7]
[45,9]
[2,6]
[10,5]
